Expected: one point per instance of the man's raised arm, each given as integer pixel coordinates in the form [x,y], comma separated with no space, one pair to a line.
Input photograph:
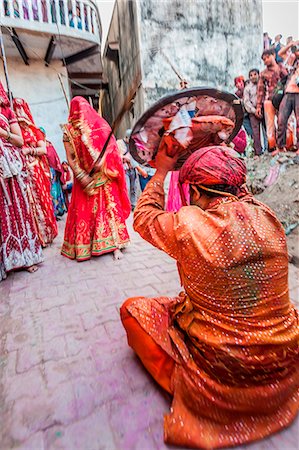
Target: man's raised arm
[151,221]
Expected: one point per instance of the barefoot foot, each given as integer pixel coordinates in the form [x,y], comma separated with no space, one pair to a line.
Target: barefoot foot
[32,269]
[117,254]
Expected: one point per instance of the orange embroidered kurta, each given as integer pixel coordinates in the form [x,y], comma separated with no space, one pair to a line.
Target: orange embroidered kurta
[233,333]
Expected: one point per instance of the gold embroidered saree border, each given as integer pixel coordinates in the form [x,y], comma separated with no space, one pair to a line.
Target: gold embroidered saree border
[85,251]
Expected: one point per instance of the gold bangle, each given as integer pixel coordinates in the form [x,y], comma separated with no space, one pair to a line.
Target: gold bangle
[80,175]
[8,135]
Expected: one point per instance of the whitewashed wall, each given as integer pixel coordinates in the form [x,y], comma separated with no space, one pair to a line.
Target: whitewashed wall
[40,87]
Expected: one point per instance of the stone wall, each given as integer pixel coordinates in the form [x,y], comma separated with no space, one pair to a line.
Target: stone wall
[209,42]
[40,87]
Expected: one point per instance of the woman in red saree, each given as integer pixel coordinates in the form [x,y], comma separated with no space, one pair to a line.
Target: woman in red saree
[39,177]
[99,204]
[19,243]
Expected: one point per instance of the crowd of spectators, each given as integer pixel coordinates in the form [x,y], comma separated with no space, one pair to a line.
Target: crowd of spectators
[270,98]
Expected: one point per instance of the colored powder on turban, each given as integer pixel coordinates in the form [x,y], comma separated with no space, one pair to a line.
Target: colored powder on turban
[212,166]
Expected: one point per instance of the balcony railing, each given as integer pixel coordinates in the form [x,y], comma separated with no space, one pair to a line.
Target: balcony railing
[69,16]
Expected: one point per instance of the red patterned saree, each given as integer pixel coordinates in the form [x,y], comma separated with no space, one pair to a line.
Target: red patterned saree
[39,178]
[95,223]
[19,243]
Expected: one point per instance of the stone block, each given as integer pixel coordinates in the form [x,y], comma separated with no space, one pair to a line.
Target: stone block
[136,375]
[131,418]
[22,336]
[50,292]
[115,329]
[55,349]
[91,319]
[92,433]
[28,357]
[35,442]
[75,344]
[52,329]
[29,416]
[77,308]
[9,364]
[30,384]
[146,291]
[147,279]
[110,386]
[63,404]
[47,303]
[106,357]
[56,372]
[84,395]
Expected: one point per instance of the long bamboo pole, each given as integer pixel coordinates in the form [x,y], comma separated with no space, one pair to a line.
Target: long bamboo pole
[171,65]
[63,90]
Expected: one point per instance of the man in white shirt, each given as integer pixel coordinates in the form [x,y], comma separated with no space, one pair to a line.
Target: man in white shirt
[250,101]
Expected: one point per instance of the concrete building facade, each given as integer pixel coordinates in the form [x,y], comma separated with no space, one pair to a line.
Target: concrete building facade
[44,38]
[208,42]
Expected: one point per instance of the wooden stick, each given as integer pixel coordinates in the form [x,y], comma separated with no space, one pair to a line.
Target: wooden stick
[101,96]
[126,106]
[127,103]
[172,66]
[63,90]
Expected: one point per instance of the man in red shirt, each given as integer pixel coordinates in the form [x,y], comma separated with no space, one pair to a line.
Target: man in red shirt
[268,80]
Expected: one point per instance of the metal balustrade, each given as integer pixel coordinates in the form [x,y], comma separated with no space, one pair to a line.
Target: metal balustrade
[79,18]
